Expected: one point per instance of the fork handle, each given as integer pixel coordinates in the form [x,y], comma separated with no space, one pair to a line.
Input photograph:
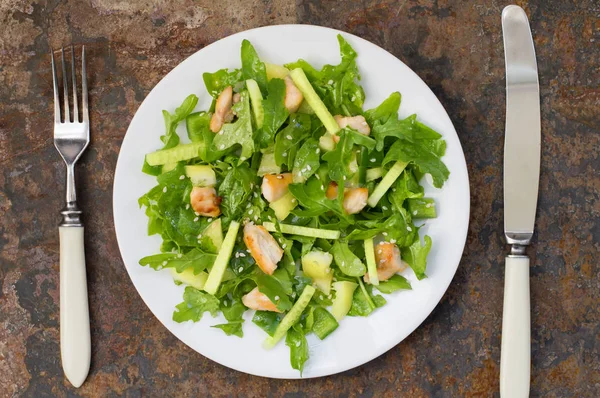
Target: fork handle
[75,342]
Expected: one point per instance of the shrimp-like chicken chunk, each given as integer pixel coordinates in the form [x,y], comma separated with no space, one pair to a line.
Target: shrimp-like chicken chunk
[256,300]
[263,247]
[293,96]
[389,262]
[275,186]
[222,110]
[358,123]
[205,202]
[355,199]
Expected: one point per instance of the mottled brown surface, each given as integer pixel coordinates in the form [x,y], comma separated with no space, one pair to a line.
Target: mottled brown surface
[455,46]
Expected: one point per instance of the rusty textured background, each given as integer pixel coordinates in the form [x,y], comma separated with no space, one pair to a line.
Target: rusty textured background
[455,46]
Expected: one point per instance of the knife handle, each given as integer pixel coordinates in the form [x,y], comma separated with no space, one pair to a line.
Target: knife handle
[515,357]
[75,342]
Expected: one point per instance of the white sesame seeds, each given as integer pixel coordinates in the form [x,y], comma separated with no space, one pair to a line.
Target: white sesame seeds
[179,255]
[330,82]
[384,207]
[269,217]
[237,254]
[187,206]
[164,263]
[276,298]
[222,146]
[384,233]
[379,251]
[428,205]
[195,219]
[199,236]
[279,177]
[409,229]
[165,189]
[242,255]
[196,213]
[392,241]
[308,167]
[353,98]
[393,189]
[221,132]
[240,269]
[343,263]
[322,187]
[415,213]
[373,160]
[284,154]
[284,246]
[317,177]
[318,151]
[255,218]
[248,250]
[344,178]
[298,343]
[181,177]
[250,211]
[248,206]
[289,137]
[255,194]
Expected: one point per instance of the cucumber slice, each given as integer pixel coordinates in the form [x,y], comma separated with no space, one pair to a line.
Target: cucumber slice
[214,232]
[371,263]
[324,324]
[314,101]
[317,266]
[421,207]
[284,205]
[168,167]
[291,317]
[303,231]
[256,102]
[175,154]
[276,71]
[374,174]
[385,184]
[201,175]
[344,291]
[268,165]
[218,269]
[326,142]
[188,277]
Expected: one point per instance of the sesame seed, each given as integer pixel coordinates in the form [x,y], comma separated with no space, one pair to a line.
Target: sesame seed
[284,154]
[317,177]
[237,254]
[248,206]
[393,189]
[222,146]
[276,298]
[408,229]
[308,167]
[415,212]
[279,177]
[330,82]
[289,137]
[255,218]
[384,233]
[196,213]
[392,241]
[187,206]
[248,250]
[195,219]
[353,98]
[379,251]
[344,178]
[181,177]
[179,255]
[384,207]
[343,263]
[318,151]
[269,217]
[210,220]
[165,189]
[242,255]
[164,263]
[428,205]
[251,185]
[284,246]
[298,343]
[250,211]
[199,236]
[221,132]
[255,194]
[240,269]
[322,187]
[373,160]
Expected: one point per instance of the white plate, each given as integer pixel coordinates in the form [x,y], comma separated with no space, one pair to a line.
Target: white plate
[357,340]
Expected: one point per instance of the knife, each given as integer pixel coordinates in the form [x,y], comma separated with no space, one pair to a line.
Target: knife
[521,180]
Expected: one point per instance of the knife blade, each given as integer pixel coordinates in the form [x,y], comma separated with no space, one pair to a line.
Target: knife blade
[522,148]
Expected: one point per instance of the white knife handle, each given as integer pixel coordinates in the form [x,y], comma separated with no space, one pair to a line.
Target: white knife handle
[75,344]
[515,357]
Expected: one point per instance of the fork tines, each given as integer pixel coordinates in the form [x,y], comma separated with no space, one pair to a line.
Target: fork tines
[65,83]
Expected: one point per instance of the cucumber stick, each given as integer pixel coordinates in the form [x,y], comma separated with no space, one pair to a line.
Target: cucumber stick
[201,175]
[314,101]
[344,291]
[303,231]
[218,270]
[256,102]
[276,71]
[291,317]
[175,154]
[385,184]
[371,263]
[374,174]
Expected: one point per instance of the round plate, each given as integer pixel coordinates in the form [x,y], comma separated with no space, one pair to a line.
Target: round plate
[357,340]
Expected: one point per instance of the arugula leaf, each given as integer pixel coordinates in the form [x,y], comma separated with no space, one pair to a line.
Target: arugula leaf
[275,289]
[275,113]
[238,132]
[235,190]
[387,109]
[253,67]
[360,302]
[267,321]
[296,340]
[216,82]
[311,196]
[426,161]
[398,226]
[195,303]
[157,261]
[396,282]
[288,140]
[416,256]
[306,161]
[405,187]
[347,261]
[339,159]
[233,310]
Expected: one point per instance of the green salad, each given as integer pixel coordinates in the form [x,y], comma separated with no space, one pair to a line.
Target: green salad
[290,199]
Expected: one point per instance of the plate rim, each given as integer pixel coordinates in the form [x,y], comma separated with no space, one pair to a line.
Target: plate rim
[463,168]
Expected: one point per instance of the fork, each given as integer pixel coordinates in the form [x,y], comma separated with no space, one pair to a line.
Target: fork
[70,139]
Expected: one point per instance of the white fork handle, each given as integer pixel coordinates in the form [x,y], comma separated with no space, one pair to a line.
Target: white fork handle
[515,356]
[75,342]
